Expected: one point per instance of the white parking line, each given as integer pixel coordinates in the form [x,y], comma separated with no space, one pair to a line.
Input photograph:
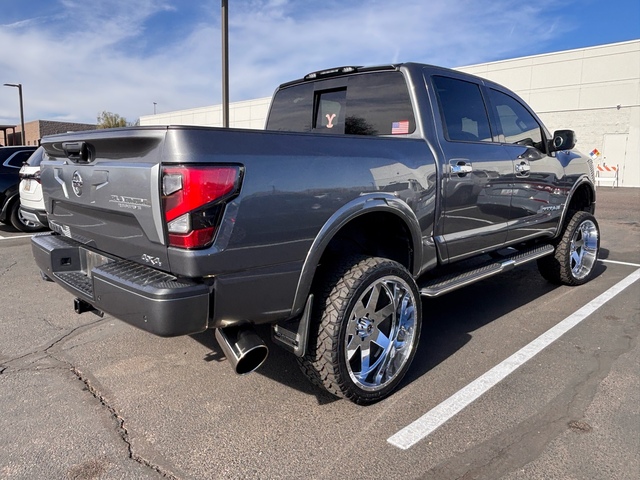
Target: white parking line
[17,236]
[430,421]
[620,263]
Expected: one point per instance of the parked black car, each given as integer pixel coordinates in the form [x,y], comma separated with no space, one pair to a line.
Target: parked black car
[11,159]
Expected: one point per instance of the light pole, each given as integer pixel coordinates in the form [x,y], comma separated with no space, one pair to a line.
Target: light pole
[19,87]
[225,63]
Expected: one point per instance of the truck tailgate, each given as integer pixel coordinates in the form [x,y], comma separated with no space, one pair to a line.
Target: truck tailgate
[102,189]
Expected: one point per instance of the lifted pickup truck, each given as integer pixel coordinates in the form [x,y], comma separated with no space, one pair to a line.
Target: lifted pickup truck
[369,189]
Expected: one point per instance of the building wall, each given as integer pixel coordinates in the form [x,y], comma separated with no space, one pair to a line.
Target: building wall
[594,91]
[246,114]
[34,131]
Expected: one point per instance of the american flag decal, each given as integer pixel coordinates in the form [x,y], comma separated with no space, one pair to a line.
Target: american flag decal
[400,128]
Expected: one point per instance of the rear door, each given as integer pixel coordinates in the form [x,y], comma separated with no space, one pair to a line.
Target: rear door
[476,200]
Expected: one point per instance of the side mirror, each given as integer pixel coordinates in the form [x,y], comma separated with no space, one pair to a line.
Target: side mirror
[563,140]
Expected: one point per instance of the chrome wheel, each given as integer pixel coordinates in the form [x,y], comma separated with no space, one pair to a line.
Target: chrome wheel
[365,331]
[574,260]
[584,249]
[380,333]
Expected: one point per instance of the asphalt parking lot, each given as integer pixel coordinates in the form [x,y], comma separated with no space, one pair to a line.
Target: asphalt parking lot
[83,397]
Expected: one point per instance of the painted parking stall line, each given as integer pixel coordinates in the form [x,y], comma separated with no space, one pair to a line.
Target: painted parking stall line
[16,236]
[433,419]
[621,263]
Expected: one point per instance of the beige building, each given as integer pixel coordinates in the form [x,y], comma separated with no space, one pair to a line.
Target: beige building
[247,114]
[594,91]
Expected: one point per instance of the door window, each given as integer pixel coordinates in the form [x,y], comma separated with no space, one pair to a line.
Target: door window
[517,123]
[18,158]
[463,110]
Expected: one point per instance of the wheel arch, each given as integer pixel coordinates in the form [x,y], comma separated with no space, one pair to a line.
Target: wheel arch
[350,231]
[581,197]
[11,198]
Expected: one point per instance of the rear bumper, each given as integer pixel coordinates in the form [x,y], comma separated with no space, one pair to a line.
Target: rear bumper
[36,216]
[144,297]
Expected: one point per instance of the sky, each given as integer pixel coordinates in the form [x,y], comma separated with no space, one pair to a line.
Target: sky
[78,58]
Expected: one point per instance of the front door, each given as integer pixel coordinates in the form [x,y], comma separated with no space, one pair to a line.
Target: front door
[539,187]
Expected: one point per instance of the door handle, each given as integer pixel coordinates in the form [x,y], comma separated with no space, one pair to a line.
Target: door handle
[460,167]
[523,168]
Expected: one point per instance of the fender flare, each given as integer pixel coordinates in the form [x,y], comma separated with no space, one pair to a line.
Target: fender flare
[563,217]
[367,203]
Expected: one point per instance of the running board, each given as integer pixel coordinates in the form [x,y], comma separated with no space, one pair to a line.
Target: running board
[441,285]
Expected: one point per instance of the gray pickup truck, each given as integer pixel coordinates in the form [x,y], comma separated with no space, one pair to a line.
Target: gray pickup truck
[369,189]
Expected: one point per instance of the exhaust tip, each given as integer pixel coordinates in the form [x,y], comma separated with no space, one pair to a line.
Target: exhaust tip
[252,360]
[244,349]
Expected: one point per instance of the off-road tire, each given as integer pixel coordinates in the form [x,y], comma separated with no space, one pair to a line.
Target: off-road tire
[344,321]
[574,260]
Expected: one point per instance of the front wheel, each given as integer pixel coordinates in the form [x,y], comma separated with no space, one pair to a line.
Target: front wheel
[575,257]
[366,329]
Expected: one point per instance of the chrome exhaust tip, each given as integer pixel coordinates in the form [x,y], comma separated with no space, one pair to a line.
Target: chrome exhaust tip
[242,346]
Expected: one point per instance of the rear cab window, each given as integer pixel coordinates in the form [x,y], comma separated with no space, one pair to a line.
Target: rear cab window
[373,103]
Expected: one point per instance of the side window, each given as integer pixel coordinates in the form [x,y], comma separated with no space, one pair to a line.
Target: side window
[463,110]
[516,122]
[18,158]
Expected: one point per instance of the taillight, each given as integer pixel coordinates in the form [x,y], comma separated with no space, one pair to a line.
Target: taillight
[29,176]
[193,200]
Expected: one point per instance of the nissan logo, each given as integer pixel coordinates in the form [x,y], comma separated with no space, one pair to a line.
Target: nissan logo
[76,183]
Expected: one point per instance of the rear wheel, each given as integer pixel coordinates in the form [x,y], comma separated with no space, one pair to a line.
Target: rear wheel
[21,223]
[575,257]
[366,329]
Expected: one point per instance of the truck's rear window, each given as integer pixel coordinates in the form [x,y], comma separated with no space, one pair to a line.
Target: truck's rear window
[366,104]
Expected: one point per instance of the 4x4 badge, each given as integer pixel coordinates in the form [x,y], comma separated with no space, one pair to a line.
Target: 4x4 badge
[76,183]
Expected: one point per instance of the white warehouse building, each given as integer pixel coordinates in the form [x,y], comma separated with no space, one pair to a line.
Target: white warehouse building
[594,91]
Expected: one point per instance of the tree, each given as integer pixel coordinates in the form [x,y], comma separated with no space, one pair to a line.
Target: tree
[111,120]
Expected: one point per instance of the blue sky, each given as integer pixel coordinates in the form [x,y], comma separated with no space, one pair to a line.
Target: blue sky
[76,58]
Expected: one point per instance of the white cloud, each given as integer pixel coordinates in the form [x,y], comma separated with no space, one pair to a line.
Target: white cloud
[95,56]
